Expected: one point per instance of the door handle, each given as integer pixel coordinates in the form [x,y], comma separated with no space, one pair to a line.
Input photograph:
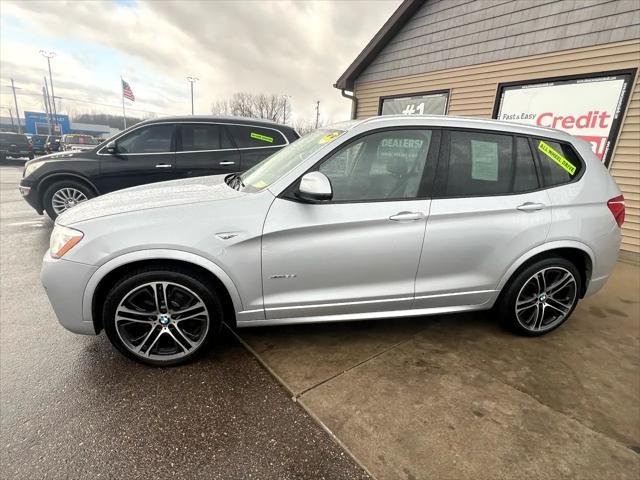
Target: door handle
[530,207]
[407,217]
[227,163]
[163,165]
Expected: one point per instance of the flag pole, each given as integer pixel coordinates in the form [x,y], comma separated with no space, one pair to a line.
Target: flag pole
[124,115]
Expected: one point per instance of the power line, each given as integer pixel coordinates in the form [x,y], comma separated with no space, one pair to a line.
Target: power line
[31,92]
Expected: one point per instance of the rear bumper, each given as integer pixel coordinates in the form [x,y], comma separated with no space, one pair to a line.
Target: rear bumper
[65,282]
[605,250]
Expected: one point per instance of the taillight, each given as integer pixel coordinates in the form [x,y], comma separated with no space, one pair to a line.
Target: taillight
[616,205]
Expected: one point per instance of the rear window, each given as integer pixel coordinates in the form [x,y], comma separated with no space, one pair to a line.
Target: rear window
[247,136]
[13,138]
[559,163]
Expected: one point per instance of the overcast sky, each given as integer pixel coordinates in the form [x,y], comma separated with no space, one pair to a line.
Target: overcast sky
[295,48]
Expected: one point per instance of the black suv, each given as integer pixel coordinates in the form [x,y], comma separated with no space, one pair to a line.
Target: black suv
[15,145]
[151,151]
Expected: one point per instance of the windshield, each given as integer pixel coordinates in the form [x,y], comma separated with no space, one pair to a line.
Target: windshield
[80,139]
[281,162]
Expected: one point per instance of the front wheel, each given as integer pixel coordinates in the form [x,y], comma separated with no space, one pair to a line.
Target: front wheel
[541,297]
[63,195]
[162,317]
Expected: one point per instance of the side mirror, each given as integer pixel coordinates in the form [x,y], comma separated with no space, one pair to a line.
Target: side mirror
[315,186]
[111,148]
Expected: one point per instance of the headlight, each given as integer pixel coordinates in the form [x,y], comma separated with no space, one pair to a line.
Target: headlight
[63,239]
[32,167]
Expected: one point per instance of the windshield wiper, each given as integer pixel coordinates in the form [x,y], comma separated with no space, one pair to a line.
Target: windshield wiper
[235,181]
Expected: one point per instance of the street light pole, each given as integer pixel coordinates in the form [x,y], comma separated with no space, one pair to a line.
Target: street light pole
[192,80]
[49,56]
[284,109]
[15,100]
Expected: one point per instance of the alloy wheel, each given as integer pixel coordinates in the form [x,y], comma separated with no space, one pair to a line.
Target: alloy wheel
[546,299]
[65,198]
[162,321]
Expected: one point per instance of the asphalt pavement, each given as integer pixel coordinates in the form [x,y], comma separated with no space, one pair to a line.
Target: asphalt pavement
[71,407]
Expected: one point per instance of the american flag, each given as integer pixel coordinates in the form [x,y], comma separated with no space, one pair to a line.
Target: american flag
[126,91]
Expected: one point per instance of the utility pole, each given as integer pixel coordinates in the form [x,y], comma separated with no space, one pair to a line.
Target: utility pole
[49,56]
[192,80]
[284,109]
[317,112]
[15,100]
[48,101]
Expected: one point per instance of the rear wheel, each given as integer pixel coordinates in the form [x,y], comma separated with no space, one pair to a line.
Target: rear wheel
[63,195]
[541,297]
[162,317]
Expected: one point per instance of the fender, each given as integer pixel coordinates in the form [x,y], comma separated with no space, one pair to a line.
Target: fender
[155,254]
[541,249]
[69,174]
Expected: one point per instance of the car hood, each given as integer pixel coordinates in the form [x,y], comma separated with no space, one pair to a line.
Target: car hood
[155,195]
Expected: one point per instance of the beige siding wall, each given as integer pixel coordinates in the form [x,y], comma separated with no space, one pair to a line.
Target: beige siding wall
[473,93]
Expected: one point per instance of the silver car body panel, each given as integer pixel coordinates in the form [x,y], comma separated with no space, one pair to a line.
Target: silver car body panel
[278,258]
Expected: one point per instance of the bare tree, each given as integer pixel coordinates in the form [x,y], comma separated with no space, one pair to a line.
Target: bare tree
[304,125]
[265,106]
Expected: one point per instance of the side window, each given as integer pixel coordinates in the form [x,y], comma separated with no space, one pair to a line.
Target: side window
[203,136]
[525,176]
[559,162]
[247,136]
[151,139]
[384,165]
[475,164]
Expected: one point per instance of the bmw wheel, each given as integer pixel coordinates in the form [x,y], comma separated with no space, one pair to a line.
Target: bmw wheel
[541,297]
[162,317]
[63,195]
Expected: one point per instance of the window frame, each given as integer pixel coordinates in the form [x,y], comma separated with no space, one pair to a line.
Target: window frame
[444,149]
[426,182]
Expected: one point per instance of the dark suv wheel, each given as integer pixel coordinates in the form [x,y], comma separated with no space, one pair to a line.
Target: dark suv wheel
[63,195]
[162,317]
[541,297]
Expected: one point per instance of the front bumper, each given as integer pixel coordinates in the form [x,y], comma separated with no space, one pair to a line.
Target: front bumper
[65,282]
[30,195]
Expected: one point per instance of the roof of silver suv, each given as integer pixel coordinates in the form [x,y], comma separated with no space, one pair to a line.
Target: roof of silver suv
[462,122]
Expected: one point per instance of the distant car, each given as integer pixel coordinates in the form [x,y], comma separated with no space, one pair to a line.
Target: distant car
[15,145]
[151,151]
[52,144]
[39,143]
[74,142]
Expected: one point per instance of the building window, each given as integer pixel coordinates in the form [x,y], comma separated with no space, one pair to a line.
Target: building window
[429,103]
[590,107]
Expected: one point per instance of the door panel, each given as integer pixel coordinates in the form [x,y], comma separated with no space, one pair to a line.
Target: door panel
[145,155]
[340,258]
[470,244]
[500,214]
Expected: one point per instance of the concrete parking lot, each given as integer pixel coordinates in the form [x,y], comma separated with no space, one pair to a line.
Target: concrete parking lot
[447,397]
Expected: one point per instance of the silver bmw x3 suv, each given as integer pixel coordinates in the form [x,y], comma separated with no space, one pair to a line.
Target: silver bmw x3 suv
[386,217]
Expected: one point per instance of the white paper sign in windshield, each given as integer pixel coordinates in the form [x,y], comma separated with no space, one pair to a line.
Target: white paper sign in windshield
[430,104]
[589,108]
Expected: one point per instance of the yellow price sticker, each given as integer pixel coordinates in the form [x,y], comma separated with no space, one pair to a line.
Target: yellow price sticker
[260,184]
[557,157]
[329,137]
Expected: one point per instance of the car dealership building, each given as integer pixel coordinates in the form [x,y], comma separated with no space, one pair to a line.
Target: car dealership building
[564,64]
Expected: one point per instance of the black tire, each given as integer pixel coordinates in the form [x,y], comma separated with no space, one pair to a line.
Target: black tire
[48,194]
[516,285]
[179,276]
[31,156]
